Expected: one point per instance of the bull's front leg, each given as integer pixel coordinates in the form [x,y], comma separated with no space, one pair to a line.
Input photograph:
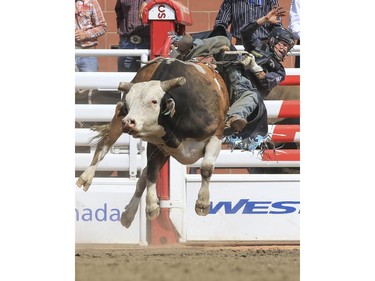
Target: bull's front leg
[155,161]
[212,150]
[131,209]
[108,136]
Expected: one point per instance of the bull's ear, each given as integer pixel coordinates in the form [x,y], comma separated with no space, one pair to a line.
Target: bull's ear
[169,107]
[121,109]
[170,84]
[125,86]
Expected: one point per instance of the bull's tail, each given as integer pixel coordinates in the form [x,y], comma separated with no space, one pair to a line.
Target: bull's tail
[102,132]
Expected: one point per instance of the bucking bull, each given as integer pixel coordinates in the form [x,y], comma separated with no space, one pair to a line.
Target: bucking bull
[178,108]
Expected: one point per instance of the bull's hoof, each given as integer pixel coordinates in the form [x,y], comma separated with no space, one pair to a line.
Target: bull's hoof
[202,209]
[85,179]
[83,183]
[152,213]
[126,219]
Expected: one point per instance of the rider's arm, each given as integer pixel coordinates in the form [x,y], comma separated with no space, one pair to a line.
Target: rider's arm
[250,40]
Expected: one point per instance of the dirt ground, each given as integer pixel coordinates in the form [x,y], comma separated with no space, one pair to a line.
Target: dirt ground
[187,263]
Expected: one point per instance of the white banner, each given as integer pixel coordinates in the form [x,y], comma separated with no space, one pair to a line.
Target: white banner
[249,210]
[98,212]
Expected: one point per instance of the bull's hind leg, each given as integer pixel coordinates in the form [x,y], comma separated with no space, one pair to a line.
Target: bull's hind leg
[108,135]
[212,150]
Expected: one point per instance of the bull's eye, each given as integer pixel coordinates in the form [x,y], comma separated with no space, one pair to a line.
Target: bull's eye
[154,101]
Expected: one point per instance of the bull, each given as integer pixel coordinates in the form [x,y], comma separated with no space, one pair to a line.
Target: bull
[179,109]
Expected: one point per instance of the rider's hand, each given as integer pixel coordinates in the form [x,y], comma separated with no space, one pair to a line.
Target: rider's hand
[255,68]
[249,63]
[275,15]
[247,60]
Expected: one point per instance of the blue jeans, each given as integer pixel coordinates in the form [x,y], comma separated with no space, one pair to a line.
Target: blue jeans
[87,64]
[245,97]
[130,64]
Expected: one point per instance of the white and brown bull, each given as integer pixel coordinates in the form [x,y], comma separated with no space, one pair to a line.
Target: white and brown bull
[178,108]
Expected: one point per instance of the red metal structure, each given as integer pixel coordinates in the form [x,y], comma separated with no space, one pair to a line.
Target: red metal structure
[165,16]
[291,80]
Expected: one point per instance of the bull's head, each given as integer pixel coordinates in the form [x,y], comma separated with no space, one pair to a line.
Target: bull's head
[142,103]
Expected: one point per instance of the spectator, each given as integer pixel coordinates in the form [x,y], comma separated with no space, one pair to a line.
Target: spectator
[133,34]
[89,25]
[238,12]
[294,25]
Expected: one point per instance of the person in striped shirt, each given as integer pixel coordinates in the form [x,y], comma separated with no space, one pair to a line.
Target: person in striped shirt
[89,25]
[236,13]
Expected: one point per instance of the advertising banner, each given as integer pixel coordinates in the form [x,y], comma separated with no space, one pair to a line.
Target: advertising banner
[98,212]
[248,210]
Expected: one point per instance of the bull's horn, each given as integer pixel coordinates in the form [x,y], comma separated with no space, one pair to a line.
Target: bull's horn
[125,86]
[170,84]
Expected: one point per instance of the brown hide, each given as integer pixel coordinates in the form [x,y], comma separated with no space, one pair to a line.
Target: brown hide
[145,73]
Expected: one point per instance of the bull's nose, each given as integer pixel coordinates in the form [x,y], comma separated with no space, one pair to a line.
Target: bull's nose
[128,124]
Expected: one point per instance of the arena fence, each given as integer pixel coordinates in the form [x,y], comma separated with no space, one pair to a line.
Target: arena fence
[244,206]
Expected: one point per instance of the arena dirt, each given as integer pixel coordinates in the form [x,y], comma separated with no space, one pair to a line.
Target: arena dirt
[187,263]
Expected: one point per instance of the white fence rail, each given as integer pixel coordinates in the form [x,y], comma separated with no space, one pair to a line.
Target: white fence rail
[104,112]
[143,53]
[111,80]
